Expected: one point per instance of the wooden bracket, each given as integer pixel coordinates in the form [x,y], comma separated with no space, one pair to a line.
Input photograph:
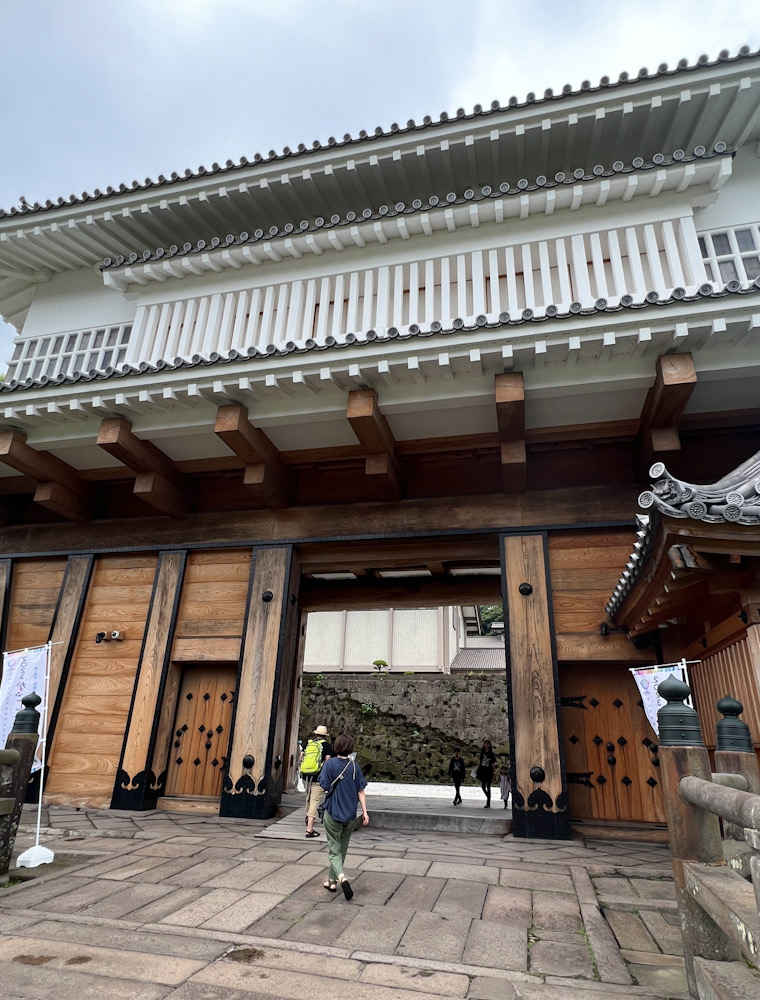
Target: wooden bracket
[265,477]
[658,436]
[376,438]
[157,481]
[59,489]
[509,394]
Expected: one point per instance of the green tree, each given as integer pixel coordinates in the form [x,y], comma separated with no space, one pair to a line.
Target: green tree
[490,613]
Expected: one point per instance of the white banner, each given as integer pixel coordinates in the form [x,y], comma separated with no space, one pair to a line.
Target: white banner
[24,671]
[648,680]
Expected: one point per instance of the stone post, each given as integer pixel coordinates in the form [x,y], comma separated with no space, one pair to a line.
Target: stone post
[16,761]
[694,833]
[735,753]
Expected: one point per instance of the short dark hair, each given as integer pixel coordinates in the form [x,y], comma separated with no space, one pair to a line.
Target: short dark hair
[343,745]
[457,750]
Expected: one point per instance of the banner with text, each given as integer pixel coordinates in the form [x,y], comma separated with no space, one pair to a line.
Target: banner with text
[648,680]
[24,671]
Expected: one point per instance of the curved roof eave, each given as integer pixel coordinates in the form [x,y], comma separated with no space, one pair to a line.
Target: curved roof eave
[513,106]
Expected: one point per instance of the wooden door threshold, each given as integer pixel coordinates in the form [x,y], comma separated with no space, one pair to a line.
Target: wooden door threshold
[644,833]
[201,805]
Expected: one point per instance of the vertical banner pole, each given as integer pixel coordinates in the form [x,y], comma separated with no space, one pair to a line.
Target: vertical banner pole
[38,855]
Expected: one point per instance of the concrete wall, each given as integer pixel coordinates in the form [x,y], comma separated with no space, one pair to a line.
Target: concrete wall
[406,727]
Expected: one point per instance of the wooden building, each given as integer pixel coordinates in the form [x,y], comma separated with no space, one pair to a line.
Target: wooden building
[253,390]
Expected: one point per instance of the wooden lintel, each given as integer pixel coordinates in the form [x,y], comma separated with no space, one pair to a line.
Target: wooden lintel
[423,592]
[63,501]
[38,465]
[376,438]
[664,406]
[116,437]
[162,494]
[509,396]
[265,486]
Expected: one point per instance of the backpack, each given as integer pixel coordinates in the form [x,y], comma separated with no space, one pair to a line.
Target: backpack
[312,757]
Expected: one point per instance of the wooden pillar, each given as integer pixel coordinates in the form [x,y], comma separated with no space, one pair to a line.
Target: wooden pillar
[539,786]
[137,786]
[256,767]
[64,632]
[6,580]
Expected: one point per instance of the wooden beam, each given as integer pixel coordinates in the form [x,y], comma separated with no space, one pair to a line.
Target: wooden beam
[59,488]
[157,481]
[663,408]
[376,438]
[509,395]
[412,592]
[265,475]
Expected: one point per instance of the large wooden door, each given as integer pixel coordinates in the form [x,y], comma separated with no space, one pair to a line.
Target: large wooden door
[610,748]
[201,735]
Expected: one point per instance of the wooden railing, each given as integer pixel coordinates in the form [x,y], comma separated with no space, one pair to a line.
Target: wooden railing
[717,881]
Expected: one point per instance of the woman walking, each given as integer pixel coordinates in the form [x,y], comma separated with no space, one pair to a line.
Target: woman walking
[485,770]
[344,784]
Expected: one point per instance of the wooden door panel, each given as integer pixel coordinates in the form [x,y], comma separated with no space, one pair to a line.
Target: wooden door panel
[201,734]
[610,747]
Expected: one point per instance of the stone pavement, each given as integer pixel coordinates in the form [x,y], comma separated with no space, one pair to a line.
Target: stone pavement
[153,905]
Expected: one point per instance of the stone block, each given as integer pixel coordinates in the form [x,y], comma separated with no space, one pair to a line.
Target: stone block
[525,878]
[195,913]
[153,943]
[417,892]
[435,936]
[496,946]
[242,913]
[375,928]
[485,988]
[323,923]
[630,931]
[461,899]
[505,905]
[46,980]
[444,984]
[556,911]
[242,875]
[557,959]
[473,873]
[175,900]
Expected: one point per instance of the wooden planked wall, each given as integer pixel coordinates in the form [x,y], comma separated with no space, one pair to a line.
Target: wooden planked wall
[35,588]
[731,671]
[584,570]
[212,607]
[87,744]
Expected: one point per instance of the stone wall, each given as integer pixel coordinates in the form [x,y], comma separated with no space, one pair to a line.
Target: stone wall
[406,727]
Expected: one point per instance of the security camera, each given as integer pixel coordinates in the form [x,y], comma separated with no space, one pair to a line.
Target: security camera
[101,636]
[117,635]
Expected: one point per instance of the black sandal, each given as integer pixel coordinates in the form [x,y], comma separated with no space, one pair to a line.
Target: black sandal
[312,833]
[345,885]
[330,886]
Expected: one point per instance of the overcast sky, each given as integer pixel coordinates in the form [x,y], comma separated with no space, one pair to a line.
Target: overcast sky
[95,93]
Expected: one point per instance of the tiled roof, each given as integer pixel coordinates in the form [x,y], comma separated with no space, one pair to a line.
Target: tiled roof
[531,99]
[505,189]
[651,300]
[478,659]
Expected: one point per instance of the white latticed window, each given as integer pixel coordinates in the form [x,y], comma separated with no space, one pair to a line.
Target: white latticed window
[732,254]
[89,350]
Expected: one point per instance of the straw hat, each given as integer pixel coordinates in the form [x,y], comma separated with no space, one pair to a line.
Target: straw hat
[321,731]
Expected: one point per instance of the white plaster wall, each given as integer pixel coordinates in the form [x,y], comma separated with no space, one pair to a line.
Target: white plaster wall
[76,300]
[737,202]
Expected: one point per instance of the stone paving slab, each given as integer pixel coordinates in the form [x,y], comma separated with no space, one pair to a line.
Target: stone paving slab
[447,984]
[459,898]
[46,981]
[434,936]
[109,962]
[382,926]
[152,943]
[241,914]
[498,946]
[559,958]
[508,906]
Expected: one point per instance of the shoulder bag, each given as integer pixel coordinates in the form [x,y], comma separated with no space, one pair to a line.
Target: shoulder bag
[323,804]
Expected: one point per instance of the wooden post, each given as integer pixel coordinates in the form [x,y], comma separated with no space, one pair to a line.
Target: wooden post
[15,770]
[539,787]
[694,833]
[734,753]
[137,786]
[256,767]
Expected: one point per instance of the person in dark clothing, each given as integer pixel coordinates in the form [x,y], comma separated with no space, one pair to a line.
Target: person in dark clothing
[484,772]
[344,784]
[457,774]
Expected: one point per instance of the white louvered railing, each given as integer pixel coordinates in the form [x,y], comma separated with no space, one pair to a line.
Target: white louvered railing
[580,268]
[510,279]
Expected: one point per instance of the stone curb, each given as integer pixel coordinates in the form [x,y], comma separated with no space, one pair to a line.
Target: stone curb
[604,948]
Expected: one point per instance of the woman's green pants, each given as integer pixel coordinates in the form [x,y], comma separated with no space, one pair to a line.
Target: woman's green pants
[338,836]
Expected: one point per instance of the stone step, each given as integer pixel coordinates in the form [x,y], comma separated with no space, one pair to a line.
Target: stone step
[725,981]
[392,812]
